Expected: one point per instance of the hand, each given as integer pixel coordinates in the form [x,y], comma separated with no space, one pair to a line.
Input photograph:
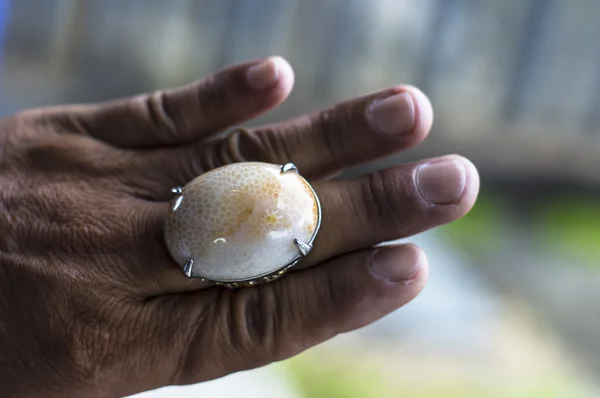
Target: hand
[91,305]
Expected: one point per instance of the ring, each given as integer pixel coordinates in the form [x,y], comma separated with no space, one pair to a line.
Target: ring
[242,224]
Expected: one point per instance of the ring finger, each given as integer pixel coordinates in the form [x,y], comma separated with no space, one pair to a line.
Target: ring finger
[394,203]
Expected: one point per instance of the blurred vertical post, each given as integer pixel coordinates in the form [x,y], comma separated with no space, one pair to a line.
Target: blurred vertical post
[4,15]
[527,53]
[67,34]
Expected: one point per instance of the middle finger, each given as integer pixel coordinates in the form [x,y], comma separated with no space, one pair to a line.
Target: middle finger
[349,134]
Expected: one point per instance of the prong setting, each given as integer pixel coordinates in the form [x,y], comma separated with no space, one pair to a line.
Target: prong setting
[177,203]
[289,167]
[303,247]
[199,264]
[187,267]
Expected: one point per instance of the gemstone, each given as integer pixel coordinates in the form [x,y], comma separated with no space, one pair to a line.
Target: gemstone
[242,221]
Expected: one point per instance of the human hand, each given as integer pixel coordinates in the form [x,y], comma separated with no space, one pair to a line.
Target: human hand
[91,304]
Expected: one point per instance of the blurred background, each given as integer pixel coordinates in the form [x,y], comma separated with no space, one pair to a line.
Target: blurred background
[512,309]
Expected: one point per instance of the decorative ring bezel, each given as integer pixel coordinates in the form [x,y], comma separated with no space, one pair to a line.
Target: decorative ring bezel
[304,248]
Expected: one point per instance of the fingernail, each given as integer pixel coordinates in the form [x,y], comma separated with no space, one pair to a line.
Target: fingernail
[442,183]
[263,75]
[390,266]
[394,115]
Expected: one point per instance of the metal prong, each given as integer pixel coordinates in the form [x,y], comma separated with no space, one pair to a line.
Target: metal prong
[286,168]
[187,268]
[177,203]
[177,190]
[304,247]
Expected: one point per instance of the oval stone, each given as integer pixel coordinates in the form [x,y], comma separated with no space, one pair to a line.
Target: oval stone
[240,221]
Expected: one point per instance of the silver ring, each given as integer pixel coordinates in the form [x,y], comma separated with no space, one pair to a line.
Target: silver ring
[243,224]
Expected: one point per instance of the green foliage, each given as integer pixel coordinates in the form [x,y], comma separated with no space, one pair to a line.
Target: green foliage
[571,226]
[481,230]
[320,379]
[568,226]
[320,376]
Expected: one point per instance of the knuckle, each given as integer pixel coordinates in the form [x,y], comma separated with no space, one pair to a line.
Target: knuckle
[269,324]
[241,145]
[253,333]
[160,113]
[257,328]
[388,199]
[392,202]
[228,150]
[323,124]
[191,160]
[379,200]
[336,290]
[244,336]
[265,144]
[332,128]
[302,309]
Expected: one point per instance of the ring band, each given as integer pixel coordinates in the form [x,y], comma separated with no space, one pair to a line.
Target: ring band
[243,224]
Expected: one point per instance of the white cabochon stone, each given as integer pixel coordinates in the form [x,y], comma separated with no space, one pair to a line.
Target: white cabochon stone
[239,222]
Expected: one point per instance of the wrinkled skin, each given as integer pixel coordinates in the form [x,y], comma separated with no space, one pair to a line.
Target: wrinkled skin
[91,305]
